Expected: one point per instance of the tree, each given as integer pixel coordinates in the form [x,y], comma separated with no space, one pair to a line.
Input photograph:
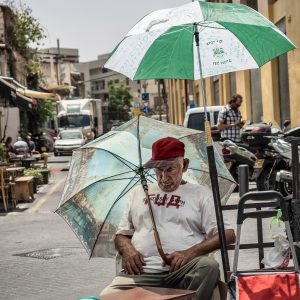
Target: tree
[119,102]
[27,33]
[24,36]
[40,113]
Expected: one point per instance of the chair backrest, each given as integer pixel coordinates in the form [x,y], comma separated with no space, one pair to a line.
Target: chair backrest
[2,180]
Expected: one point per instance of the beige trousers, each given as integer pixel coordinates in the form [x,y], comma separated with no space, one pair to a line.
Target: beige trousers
[200,274]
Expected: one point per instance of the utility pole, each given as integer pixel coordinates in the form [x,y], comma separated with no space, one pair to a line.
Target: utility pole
[58,63]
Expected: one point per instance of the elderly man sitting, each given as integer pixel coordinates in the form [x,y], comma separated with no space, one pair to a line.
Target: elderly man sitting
[21,147]
[186,222]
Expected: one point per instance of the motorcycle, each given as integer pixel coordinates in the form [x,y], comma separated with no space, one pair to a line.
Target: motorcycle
[257,137]
[284,178]
[234,156]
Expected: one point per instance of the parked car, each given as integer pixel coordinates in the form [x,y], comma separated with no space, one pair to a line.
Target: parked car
[68,140]
[195,117]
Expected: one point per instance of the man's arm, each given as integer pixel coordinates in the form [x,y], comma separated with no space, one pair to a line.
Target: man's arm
[180,258]
[133,261]
[221,126]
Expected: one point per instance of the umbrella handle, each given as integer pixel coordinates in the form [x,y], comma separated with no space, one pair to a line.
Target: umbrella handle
[156,234]
[159,247]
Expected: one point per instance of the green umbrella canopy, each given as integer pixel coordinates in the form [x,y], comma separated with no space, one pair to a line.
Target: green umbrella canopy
[232,37]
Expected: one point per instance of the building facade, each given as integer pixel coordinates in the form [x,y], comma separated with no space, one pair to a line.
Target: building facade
[12,64]
[97,78]
[58,71]
[271,93]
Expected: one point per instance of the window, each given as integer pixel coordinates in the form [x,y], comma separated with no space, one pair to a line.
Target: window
[104,70]
[127,81]
[101,84]
[116,81]
[252,4]
[196,121]
[74,121]
[66,135]
[95,71]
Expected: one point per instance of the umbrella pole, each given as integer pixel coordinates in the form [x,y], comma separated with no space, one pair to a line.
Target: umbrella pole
[213,170]
[156,234]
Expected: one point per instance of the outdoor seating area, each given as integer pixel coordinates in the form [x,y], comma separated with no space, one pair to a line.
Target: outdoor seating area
[19,182]
[24,161]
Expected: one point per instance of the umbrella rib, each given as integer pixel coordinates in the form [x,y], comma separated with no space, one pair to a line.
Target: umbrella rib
[208,172]
[204,25]
[100,229]
[121,160]
[178,30]
[117,179]
[102,138]
[149,175]
[123,192]
[111,177]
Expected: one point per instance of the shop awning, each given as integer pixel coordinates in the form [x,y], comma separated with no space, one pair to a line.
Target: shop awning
[20,96]
[8,91]
[57,87]
[39,95]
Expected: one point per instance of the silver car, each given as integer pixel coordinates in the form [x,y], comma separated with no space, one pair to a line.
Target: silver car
[68,140]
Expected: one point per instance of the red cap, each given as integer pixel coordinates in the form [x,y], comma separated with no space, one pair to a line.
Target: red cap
[165,149]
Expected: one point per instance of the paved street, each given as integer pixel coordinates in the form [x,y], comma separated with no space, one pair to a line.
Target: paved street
[38,228]
[63,270]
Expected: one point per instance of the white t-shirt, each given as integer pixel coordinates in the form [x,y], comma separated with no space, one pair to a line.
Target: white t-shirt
[183,218]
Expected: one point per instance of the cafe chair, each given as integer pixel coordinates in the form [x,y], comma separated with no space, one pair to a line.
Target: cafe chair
[4,186]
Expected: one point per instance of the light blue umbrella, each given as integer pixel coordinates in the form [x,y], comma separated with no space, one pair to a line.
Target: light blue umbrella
[105,170]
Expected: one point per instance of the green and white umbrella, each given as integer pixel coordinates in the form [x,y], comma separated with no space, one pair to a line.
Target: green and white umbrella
[232,37]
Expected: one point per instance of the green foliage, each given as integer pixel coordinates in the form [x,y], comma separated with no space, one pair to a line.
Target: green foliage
[36,173]
[25,36]
[41,113]
[119,102]
[27,32]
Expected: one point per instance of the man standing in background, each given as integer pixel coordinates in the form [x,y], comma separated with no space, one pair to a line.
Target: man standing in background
[230,120]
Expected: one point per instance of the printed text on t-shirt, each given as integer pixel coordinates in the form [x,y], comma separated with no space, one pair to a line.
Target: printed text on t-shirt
[165,200]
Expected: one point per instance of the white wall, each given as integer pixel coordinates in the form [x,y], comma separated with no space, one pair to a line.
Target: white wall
[10,117]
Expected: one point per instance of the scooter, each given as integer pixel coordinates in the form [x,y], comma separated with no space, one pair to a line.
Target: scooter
[234,156]
[269,161]
[284,178]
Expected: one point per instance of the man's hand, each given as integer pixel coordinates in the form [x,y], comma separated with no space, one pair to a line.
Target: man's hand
[180,258]
[133,262]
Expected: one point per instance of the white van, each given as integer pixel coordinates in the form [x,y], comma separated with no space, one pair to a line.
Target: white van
[194,117]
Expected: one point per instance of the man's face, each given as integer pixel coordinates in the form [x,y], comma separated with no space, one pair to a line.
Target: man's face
[169,174]
[237,103]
